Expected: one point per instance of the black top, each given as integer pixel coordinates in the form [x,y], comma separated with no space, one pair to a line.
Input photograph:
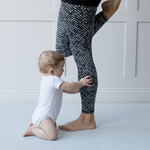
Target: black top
[83,2]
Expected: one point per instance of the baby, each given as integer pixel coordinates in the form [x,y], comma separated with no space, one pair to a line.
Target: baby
[43,122]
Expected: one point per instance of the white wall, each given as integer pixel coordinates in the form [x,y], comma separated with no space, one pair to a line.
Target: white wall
[26,29]
[121,50]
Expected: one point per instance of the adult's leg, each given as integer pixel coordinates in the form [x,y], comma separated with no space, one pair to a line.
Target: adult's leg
[110,7]
[86,120]
[62,41]
[100,20]
[79,24]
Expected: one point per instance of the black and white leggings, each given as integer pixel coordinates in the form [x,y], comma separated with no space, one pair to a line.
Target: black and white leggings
[76,27]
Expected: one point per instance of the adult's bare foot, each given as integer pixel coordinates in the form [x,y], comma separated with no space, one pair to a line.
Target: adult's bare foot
[84,122]
[110,7]
[29,131]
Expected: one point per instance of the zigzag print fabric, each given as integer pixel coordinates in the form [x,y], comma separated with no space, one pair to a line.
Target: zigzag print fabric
[76,27]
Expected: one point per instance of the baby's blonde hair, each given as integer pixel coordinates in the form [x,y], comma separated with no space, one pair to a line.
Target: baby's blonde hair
[49,59]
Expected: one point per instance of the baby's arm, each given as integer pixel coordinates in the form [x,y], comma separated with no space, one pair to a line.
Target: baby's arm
[71,92]
[74,86]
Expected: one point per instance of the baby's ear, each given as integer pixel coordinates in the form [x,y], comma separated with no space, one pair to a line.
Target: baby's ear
[51,71]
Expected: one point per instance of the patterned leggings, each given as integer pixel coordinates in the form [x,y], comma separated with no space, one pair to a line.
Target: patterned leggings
[76,27]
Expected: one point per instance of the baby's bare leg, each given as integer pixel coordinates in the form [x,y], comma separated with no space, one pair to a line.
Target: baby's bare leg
[46,131]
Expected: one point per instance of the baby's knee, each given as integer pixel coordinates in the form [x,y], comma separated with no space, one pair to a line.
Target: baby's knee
[53,137]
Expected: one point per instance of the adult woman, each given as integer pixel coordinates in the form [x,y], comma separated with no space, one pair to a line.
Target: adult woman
[77,24]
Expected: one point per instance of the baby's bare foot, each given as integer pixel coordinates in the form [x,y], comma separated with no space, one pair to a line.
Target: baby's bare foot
[29,131]
[29,124]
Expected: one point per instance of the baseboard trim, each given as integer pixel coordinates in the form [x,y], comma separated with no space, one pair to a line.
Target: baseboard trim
[103,95]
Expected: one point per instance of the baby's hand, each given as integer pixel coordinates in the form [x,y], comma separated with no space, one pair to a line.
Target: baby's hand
[86,81]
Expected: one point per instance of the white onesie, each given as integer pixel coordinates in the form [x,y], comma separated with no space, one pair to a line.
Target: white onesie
[50,99]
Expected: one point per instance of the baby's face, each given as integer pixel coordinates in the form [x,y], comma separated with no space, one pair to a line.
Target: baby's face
[59,70]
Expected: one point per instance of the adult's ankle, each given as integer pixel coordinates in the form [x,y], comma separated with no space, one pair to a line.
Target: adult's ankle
[87,117]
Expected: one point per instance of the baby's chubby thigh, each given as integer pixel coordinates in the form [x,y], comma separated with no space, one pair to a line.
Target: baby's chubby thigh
[49,127]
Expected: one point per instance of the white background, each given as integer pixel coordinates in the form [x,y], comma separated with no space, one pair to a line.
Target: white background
[121,51]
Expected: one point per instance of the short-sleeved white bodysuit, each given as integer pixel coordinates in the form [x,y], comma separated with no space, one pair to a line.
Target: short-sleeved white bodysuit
[50,99]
